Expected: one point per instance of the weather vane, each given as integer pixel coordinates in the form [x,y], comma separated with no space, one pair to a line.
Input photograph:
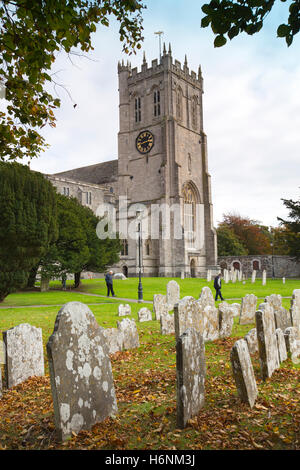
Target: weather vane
[159,34]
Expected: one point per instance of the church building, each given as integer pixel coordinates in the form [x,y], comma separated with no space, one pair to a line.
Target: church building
[161,173]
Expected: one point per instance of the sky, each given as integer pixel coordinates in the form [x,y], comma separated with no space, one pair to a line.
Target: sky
[251,106]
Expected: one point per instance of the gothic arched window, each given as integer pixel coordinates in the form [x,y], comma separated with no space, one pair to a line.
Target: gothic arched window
[156,102]
[189,214]
[124,248]
[194,112]
[179,97]
[137,109]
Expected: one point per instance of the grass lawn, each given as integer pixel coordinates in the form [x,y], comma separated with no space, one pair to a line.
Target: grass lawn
[145,382]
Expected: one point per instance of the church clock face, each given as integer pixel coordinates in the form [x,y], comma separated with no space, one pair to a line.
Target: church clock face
[144,142]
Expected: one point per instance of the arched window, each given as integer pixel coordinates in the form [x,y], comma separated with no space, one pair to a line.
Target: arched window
[137,108]
[193,268]
[124,248]
[236,265]
[179,96]
[189,214]
[156,103]
[255,265]
[194,112]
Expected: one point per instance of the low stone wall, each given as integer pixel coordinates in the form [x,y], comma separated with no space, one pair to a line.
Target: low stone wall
[277,266]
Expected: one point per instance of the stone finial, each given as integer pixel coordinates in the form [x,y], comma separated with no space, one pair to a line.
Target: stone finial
[170,50]
[144,58]
[199,73]
[164,49]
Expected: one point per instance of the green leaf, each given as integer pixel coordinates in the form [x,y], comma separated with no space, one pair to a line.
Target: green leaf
[220,41]
[283,30]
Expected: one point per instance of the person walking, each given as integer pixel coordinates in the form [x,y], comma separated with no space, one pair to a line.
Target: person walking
[217,286]
[109,283]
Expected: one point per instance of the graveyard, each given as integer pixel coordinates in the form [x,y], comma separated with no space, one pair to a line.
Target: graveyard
[150,367]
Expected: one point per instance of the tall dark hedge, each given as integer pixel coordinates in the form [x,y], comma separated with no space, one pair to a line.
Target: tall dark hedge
[28,223]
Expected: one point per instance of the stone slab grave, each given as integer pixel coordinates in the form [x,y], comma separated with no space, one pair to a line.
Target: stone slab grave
[282,351]
[264,277]
[187,314]
[190,375]
[115,339]
[226,314]
[282,317]
[251,340]
[173,294]
[295,309]
[80,371]
[210,319]
[144,314]
[206,297]
[292,339]
[24,355]
[160,306]
[124,310]
[243,372]
[248,309]
[128,328]
[267,341]
[236,309]
[167,324]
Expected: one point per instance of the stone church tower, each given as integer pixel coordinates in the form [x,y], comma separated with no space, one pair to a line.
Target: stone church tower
[162,160]
[162,165]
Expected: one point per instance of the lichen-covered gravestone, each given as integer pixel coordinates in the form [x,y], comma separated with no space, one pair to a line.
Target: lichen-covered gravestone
[251,340]
[173,294]
[210,319]
[129,330]
[243,372]
[226,314]
[160,306]
[24,353]
[291,336]
[236,309]
[190,373]
[187,315]
[295,309]
[282,352]
[80,371]
[281,316]
[115,339]
[267,341]
[206,298]
[167,324]
[248,309]
[144,314]
[124,310]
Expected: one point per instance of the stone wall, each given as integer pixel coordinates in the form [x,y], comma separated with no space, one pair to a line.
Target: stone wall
[277,265]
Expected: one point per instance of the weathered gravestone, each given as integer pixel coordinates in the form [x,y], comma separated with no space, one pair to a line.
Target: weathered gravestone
[80,371]
[167,324]
[282,352]
[295,309]
[208,275]
[187,315]
[173,294]
[129,330]
[253,276]
[281,316]
[251,340]
[210,318]
[226,314]
[124,310]
[206,298]
[24,353]
[144,314]
[160,306]
[236,309]
[248,309]
[267,342]
[243,372]
[190,373]
[291,336]
[115,339]
[264,277]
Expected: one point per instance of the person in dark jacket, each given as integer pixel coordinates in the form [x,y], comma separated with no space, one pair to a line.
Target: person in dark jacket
[217,286]
[109,283]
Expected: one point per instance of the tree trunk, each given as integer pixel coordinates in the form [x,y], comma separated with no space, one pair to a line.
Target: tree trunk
[44,284]
[32,277]
[77,280]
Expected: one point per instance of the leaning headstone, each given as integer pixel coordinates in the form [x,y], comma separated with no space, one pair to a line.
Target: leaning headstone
[248,309]
[144,314]
[210,323]
[167,324]
[253,276]
[282,352]
[251,340]
[124,310]
[226,314]
[80,371]
[24,353]
[291,336]
[128,328]
[206,297]
[243,372]
[160,306]
[190,374]
[173,294]
[115,339]
[264,277]
[267,342]
[186,315]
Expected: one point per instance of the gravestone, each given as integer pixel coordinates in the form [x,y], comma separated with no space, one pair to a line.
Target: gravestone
[128,328]
[120,276]
[167,324]
[291,336]
[243,372]
[80,371]
[187,315]
[210,328]
[208,275]
[226,313]
[251,340]
[124,310]
[282,352]
[248,309]
[115,339]
[144,314]
[0,382]
[253,276]
[182,275]
[226,276]
[173,294]
[236,309]
[264,277]
[190,375]
[283,280]
[240,275]
[160,306]
[24,355]
[267,342]
[295,309]
[234,276]
[206,297]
